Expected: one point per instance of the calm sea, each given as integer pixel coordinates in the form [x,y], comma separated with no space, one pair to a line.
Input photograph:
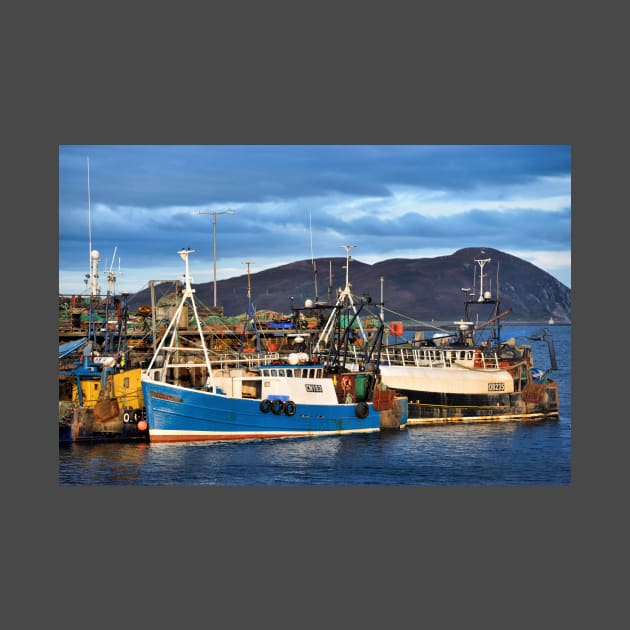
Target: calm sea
[510,453]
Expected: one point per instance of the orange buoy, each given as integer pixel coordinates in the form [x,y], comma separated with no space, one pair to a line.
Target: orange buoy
[396,329]
[142,425]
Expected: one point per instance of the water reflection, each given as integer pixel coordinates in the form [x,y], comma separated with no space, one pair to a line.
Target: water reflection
[102,463]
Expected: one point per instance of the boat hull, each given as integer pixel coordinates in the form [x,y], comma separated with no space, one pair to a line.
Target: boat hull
[177,413]
[452,380]
[84,424]
[113,414]
[425,407]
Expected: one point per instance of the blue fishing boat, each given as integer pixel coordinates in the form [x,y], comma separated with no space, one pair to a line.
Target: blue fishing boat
[191,393]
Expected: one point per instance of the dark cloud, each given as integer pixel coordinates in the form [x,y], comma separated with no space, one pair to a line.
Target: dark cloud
[154,176]
[284,189]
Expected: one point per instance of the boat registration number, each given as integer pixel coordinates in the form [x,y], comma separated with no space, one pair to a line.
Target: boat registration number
[496,387]
[313,388]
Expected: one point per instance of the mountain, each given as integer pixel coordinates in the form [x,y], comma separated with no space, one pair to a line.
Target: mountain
[421,288]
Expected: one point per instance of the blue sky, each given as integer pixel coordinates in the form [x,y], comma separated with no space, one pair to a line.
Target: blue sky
[293,202]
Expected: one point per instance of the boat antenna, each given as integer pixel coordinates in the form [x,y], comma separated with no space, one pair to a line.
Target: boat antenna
[330,285]
[497,307]
[310,228]
[111,276]
[94,254]
[92,274]
[89,214]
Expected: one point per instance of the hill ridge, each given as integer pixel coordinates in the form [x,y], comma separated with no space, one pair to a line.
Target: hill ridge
[422,288]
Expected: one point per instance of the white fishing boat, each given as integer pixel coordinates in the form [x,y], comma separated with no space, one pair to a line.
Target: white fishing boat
[471,375]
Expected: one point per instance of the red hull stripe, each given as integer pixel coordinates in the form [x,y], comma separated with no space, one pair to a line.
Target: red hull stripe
[215,437]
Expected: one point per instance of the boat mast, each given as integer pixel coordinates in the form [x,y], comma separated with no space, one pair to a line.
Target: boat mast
[481,263]
[188,294]
[250,316]
[485,297]
[382,302]
[92,275]
[344,295]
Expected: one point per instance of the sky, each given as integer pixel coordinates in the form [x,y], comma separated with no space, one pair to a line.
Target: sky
[136,205]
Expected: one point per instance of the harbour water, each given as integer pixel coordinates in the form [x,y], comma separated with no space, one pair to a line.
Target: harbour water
[510,453]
